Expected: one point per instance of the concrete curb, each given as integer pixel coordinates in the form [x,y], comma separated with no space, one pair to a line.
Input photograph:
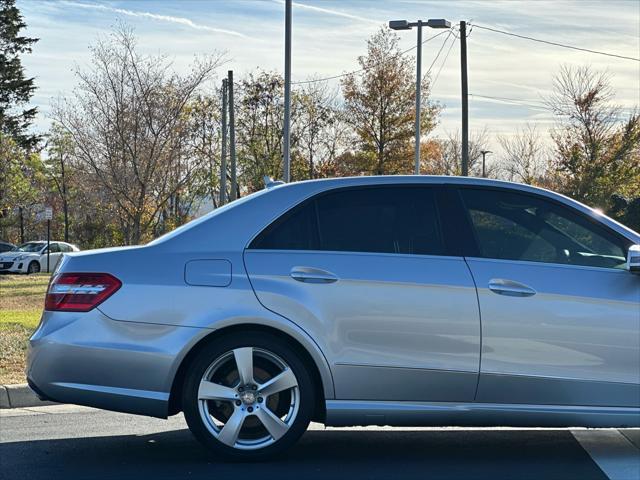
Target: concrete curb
[19,396]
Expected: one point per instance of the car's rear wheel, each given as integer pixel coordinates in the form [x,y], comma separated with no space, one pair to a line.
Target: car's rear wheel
[34,267]
[248,396]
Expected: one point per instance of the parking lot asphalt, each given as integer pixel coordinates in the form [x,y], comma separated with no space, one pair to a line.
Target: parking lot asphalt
[75,442]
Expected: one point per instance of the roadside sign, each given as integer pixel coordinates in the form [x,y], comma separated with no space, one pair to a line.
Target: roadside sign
[45,214]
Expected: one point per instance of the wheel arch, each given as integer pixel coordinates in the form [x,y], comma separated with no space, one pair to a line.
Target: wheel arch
[323,390]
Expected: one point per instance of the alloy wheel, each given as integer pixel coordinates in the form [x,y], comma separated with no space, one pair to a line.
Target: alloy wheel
[248,398]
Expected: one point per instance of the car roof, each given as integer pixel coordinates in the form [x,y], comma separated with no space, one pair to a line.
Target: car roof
[407,179]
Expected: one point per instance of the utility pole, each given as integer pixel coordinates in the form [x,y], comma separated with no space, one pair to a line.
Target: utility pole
[465,99]
[484,170]
[287,89]
[223,156]
[232,138]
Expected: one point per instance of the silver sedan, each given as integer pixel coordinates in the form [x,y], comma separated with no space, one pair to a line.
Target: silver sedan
[360,301]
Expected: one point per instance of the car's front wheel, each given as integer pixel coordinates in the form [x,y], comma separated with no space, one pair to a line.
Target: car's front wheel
[34,267]
[248,396]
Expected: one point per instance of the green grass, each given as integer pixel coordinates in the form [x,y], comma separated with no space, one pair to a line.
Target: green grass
[24,318]
[21,303]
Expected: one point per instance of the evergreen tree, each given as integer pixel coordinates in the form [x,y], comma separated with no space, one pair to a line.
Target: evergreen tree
[15,89]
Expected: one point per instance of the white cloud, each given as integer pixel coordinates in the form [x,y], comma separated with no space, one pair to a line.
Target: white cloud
[163,18]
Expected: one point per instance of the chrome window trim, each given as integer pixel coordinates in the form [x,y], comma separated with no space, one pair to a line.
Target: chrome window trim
[342,252]
[547,264]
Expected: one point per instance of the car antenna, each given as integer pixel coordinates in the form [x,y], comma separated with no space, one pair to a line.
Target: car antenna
[270,182]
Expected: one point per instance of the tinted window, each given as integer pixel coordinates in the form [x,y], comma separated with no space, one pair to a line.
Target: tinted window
[295,230]
[54,248]
[514,226]
[65,248]
[381,219]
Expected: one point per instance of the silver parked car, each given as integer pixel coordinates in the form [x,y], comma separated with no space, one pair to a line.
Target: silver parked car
[405,300]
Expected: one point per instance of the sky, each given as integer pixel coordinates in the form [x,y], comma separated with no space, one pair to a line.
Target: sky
[328,36]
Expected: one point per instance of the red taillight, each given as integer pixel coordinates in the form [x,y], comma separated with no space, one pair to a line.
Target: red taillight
[79,292]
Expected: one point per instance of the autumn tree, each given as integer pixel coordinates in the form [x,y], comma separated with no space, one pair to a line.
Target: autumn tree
[204,138]
[259,125]
[597,148]
[379,104]
[17,88]
[21,187]
[129,124]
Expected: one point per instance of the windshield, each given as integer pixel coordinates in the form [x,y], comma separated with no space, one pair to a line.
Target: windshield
[30,247]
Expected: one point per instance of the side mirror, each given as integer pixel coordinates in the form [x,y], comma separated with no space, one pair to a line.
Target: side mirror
[633,259]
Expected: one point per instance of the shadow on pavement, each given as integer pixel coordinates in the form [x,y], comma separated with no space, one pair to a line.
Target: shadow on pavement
[459,454]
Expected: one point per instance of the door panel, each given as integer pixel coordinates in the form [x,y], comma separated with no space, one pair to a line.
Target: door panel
[576,341]
[393,327]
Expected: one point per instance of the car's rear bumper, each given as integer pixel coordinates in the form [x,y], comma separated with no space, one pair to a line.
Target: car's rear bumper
[90,359]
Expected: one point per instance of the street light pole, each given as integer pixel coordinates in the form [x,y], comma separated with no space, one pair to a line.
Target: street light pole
[287,90]
[484,170]
[418,104]
[405,25]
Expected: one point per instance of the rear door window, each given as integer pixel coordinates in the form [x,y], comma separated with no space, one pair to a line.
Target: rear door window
[394,219]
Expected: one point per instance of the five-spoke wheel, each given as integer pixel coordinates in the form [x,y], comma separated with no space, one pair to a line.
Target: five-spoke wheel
[248,399]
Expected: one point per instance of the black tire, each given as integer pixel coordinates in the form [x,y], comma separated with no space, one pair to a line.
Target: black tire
[217,349]
[34,267]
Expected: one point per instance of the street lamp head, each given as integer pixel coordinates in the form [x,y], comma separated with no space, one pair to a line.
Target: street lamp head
[399,25]
[484,152]
[432,23]
[438,23]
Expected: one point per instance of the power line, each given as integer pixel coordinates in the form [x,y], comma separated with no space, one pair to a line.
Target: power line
[557,44]
[510,100]
[532,103]
[439,52]
[315,80]
[453,42]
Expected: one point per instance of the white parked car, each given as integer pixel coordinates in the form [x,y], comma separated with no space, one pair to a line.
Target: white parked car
[31,257]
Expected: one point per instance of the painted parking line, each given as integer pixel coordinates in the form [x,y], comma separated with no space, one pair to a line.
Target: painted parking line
[616,456]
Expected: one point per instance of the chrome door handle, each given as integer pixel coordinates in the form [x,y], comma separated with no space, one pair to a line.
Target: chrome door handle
[312,275]
[510,288]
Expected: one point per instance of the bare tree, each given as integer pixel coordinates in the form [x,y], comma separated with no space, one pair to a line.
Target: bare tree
[128,124]
[447,157]
[524,157]
[58,169]
[318,129]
